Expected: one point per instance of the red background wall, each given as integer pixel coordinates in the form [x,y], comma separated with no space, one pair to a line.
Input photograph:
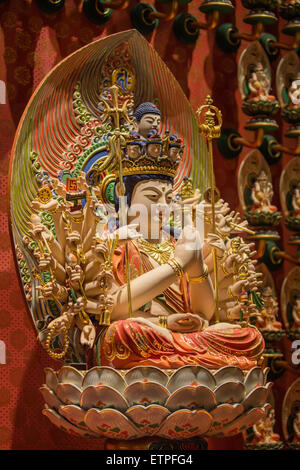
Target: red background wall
[31,43]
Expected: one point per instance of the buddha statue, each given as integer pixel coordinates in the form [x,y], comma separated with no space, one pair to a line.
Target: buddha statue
[296,201]
[296,427]
[147,117]
[259,84]
[138,295]
[264,434]
[268,319]
[262,194]
[296,314]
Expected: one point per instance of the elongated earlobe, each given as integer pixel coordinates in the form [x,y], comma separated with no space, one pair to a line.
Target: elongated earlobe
[118,189]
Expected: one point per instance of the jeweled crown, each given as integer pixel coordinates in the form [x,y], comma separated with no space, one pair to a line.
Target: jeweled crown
[158,155]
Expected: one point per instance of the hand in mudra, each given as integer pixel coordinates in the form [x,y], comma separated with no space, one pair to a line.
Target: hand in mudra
[188,251]
[61,323]
[184,322]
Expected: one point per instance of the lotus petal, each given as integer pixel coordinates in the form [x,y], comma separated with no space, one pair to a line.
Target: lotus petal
[230,392]
[146,374]
[192,398]
[64,425]
[265,372]
[51,378]
[256,398]
[241,423]
[70,375]
[254,379]
[191,375]
[224,414]
[68,393]
[102,396]
[229,374]
[147,418]
[184,424]
[145,393]
[74,414]
[104,376]
[50,398]
[111,424]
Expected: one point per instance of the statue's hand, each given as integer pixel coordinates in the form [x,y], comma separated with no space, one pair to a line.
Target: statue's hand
[44,261]
[231,260]
[73,237]
[216,242]
[88,335]
[52,205]
[77,306]
[38,229]
[193,201]
[127,232]
[184,322]
[75,275]
[188,251]
[61,322]
[48,290]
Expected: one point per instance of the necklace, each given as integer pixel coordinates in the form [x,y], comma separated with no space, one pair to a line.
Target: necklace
[160,252]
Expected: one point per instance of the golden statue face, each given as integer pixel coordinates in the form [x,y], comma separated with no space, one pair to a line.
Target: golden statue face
[154,150]
[133,150]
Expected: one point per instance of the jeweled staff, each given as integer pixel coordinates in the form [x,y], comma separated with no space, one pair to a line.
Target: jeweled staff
[211,129]
[116,143]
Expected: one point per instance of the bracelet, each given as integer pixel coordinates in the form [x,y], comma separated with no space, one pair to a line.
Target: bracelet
[225,270]
[163,321]
[202,278]
[230,294]
[177,268]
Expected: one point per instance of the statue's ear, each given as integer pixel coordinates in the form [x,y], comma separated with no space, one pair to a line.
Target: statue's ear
[135,124]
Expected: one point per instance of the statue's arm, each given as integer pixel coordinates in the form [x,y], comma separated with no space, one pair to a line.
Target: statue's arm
[143,289]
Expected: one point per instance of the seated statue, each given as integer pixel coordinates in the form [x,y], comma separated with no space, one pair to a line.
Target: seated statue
[296,201]
[269,312]
[138,295]
[296,314]
[262,194]
[264,430]
[259,84]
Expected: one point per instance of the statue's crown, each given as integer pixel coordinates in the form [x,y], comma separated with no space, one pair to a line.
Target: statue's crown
[157,159]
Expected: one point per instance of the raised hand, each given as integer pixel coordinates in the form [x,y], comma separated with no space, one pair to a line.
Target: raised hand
[188,251]
[216,242]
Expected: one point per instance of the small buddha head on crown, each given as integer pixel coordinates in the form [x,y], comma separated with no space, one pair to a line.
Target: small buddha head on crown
[147,117]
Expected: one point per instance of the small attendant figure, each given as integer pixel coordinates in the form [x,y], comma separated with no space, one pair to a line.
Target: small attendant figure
[262,194]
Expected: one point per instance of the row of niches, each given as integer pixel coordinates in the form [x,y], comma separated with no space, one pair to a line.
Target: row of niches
[146,18]
[256,194]
[260,103]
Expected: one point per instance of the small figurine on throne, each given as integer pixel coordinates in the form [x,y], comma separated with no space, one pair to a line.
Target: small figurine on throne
[263,436]
[260,211]
[259,84]
[254,75]
[262,194]
[267,322]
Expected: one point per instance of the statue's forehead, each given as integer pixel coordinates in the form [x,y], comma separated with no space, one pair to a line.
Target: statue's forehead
[155,183]
[151,115]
